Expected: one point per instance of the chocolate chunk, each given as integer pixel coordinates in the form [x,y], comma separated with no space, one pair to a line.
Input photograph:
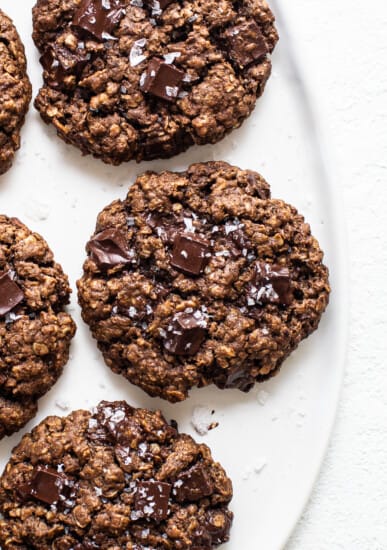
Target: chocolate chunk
[166,227]
[186,333]
[270,284]
[201,540]
[48,486]
[238,243]
[240,378]
[56,72]
[60,62]
[10,293]
[151,500]
[109,248]
[190,253]
[123,455]
[162,80]
[193,484]
[98,17]
[165,146]
[245,43]
[114,425]
[218,525]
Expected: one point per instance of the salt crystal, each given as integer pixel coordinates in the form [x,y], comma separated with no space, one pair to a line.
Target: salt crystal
[36,210]
[136,55]
[262,397]
[63,405]
[171,56]
[202,419]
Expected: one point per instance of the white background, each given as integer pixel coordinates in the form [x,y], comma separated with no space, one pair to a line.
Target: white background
[344,48]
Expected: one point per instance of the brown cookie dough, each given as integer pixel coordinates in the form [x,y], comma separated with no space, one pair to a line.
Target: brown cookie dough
[144,79]
[200,277]
[121,478]
[35,331]
[15,91]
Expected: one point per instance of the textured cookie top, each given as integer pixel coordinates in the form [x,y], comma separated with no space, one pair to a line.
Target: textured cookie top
[132,79]
[199,278]
[15,91]
[35,332]
[116,478]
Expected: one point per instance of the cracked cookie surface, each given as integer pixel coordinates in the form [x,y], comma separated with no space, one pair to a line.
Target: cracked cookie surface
[35,331]
[200,277]
[15,91]
[116,478]
[143,79]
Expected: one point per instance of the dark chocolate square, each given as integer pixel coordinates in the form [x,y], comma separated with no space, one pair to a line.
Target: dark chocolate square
[270,284]
[47,485]
[193,484]
[190,253]
[151,500]
[185,333]
[245,43]
[162,80]
[98,17]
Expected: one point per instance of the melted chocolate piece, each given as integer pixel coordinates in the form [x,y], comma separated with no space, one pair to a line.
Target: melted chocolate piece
[239,378]
[193,484]
[162,80]
[218,525]
[237,242]
[114,425]
[60,62]
[48,486]
[10,293]
[245,43]
[190,253]
[165,227]
[98,17]
[186,333]
[123,455]
[271,284]
[151,500]
[167,146]
[109,248]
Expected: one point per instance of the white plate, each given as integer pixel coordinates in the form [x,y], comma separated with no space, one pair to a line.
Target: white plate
[59,193]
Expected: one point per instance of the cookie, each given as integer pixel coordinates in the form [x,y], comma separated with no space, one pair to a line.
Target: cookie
[35,331]
[144,79]
[15,91]
[116,478]
[200,277]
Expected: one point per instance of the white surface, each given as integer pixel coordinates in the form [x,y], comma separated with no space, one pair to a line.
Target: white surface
[344,46]
[273,460]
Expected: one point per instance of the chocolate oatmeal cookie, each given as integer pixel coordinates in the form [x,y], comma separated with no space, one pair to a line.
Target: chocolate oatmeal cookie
[118,478]
[200,277]
[145,79]
[15,91]
[35,331]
